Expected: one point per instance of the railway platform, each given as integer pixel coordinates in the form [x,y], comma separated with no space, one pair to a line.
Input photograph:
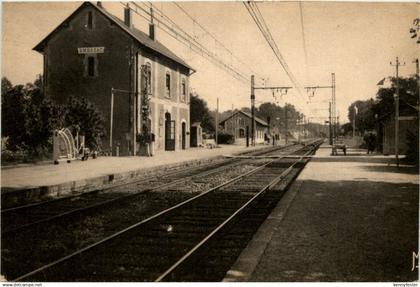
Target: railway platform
[30,182]
[345,218]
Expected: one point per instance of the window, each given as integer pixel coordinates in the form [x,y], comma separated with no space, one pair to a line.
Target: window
[91,66]
[168,85]
[183,91]
[89,20]
[149,78]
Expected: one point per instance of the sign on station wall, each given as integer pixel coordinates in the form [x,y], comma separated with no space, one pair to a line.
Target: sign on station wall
[90,50]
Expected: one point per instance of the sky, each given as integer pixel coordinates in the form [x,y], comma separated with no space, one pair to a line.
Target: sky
[355,40]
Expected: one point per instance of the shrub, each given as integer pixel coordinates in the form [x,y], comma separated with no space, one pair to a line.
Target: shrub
[225,138]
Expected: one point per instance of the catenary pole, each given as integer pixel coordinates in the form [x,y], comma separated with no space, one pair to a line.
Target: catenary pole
[252,111]
[217,121]
[397,110]
[111,120]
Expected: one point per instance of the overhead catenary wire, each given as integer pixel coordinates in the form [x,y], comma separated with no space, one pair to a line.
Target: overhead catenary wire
[303,39]
[167,25]
[256,15]
[216,40]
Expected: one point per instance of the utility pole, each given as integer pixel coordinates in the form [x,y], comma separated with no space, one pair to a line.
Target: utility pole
[217,122]
[334,116]
[252,111]
[332,104]
[397,109]
[286,137]
[330,128]
[111,121]
[417,72]
[253,88]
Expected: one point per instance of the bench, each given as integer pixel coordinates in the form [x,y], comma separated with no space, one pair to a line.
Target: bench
[338,146]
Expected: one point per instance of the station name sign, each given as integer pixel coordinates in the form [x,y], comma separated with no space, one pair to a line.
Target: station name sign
[90,50]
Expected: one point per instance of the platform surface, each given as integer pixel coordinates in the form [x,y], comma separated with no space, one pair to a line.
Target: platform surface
[33,176]
[346,218]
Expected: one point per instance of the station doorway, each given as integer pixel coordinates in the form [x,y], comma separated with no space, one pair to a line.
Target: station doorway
[183,135]
[169,132]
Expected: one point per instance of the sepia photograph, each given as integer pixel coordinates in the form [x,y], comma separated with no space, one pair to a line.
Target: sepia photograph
[209,141]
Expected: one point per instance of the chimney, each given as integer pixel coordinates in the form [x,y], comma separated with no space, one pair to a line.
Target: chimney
[99,4]
[152,31]
[127,17]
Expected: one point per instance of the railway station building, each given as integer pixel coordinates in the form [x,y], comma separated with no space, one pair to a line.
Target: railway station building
[94,55]
[239,124]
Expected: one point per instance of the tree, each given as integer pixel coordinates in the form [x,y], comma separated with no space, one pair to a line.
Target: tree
[199,112]
[29,119]
[13,114]
[83,116]
[274,111]
[365,117]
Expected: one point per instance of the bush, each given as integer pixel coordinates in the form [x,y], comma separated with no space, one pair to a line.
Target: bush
[29,119]
[225,138]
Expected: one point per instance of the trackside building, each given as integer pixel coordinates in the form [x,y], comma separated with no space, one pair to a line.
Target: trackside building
[94,55]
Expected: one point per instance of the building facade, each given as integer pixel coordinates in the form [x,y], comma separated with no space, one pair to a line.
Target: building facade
[95,55]
[240,125]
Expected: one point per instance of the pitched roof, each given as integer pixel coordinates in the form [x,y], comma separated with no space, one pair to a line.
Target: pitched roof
[138,35]
[257,119]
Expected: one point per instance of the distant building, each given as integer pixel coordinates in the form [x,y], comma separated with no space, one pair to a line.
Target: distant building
[408,123]
[240,124]
[93,51]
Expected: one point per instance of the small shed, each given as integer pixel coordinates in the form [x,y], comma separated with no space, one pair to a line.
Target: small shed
[196,136]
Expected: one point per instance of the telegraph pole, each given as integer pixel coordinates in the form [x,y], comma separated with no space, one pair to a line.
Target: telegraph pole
[217,122]
[330,129]
[334,116]
[286,137]
[397,109]
[252,111]
[417,72]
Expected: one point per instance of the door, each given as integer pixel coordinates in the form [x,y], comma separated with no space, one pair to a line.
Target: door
[169,132]
[183,135]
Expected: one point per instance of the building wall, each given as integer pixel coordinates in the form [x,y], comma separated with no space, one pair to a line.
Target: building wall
[65,76]
[239,122]
[389,135]
[160,103]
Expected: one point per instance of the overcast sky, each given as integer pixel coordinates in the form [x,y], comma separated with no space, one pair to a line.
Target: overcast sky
[355,40]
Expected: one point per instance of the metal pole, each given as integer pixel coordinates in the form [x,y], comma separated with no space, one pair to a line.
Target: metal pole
[285,123]
[330,127]
[217,121]
[354,124]
[111,120]
[397,115]
[333,105]
[252,111]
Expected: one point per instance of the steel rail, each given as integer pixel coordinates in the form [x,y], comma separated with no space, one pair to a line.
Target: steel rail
[127,196]
[116,185]
[108,238]
[226,221]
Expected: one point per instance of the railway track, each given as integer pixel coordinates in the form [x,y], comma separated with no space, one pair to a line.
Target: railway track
[158,247]
[18,218]
[49,231]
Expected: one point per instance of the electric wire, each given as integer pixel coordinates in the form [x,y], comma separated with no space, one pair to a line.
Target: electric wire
[167,25]
[256,15]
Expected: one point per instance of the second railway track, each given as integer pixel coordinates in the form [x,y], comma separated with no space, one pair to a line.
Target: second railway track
[147,250]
